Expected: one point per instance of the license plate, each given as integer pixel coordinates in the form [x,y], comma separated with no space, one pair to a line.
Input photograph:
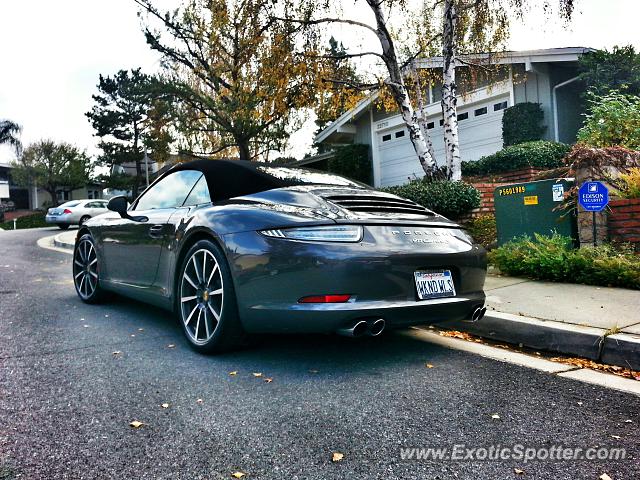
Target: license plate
[434,284]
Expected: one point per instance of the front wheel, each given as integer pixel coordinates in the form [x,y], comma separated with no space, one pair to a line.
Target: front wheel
[206,300]
[85,270]
[83,220]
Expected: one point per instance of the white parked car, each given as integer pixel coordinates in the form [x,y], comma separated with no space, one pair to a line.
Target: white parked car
[75,212]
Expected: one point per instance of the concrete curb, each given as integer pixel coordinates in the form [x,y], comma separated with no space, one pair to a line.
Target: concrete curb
[622,349]
[61,242]
[589,342]
[539,334]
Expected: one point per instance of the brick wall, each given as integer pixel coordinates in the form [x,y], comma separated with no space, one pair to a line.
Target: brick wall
[487,184]
[624,221]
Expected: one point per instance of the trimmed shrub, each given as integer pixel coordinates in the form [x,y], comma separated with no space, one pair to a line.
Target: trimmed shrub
[522,123]
[352,161]
[539,154]
[483,230]
[553,258]
[451,199]
[35,220]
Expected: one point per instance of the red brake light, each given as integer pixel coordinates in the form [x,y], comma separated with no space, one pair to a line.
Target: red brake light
[66,210]
[325,299]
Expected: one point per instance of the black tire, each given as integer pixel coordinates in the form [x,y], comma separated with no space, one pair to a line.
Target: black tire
[83,220]
[85,270]
[227,333]
[63,226]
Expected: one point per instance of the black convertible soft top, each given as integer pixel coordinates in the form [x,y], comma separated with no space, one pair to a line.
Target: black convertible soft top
[234,178]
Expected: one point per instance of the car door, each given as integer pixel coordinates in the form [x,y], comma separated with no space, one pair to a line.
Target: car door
[198,197]
[132,248]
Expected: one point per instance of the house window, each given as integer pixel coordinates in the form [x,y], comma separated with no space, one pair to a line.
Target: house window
[400,134]
[386,138]
[430,125]
[441,121]
[463,116]
[480,111]
[499,106]
[90,194]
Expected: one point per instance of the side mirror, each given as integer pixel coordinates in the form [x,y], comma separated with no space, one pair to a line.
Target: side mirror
[120,205]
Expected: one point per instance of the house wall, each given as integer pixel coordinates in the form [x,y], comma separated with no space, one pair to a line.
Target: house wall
[42,199]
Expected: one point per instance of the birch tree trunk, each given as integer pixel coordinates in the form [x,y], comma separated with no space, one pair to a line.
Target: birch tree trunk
[399,91]
[422,118]
[449,102]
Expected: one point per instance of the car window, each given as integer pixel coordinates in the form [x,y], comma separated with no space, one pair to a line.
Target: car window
[199,194]
[170,192]
[70,204]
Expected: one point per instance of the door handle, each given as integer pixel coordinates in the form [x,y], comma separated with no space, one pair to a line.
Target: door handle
[155,231]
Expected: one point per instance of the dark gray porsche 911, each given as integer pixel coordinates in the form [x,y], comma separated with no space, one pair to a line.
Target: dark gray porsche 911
[237,248]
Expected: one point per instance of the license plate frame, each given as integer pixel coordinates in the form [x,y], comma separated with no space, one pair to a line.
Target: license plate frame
[433,284]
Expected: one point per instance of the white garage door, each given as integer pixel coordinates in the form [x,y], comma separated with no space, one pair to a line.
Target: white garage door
[480,128]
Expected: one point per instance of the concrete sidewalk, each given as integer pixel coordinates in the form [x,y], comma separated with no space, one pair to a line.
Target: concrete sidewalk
[598,323]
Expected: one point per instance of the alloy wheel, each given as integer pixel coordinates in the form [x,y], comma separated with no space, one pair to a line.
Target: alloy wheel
[85,268]
[201,296]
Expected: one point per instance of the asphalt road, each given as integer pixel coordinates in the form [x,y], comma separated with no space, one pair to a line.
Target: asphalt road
[66,401]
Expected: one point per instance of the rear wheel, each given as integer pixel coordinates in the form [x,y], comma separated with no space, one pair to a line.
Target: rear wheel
[206,300]
[63,226]
[85,270]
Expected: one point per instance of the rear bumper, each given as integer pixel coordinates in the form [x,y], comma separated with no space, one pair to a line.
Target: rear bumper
[272,274]
[327,318]
[64,219]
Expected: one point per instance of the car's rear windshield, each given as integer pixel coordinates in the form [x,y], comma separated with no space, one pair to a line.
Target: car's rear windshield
[70,204]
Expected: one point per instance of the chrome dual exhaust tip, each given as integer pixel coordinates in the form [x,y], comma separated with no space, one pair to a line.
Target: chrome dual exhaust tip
[361,328]
[478,313]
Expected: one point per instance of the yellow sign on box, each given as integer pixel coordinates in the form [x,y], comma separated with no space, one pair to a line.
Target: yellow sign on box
[531,200]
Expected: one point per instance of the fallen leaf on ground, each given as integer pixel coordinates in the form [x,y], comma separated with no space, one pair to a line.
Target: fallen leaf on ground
[86,326]
[141,329]
[628,421]
[133,334]
[238,474]
[584,363]
[495,416]
[517,471]
[313,371]
[117,352]
[199,400]
[428,365]
[604,476]
[617,437]
[337,456]
[257,374]
[171,345]
[165,405]
[268,380]
[136,424]
[233,373]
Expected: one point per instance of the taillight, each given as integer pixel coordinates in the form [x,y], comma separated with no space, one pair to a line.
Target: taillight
[325,299]
[66,211]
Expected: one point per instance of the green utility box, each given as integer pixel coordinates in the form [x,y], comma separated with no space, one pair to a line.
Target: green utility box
[528,208]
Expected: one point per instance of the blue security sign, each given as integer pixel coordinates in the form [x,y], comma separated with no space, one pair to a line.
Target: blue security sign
[593,196]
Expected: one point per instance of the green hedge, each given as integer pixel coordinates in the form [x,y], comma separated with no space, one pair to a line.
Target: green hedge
[522,123]
[352,161]
[35,220]
[483,230]
[539,154]
[451,199]
[553,258]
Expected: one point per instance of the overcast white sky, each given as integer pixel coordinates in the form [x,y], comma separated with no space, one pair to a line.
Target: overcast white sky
[53,52]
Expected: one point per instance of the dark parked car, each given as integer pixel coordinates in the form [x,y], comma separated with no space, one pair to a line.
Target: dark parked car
[237,248]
